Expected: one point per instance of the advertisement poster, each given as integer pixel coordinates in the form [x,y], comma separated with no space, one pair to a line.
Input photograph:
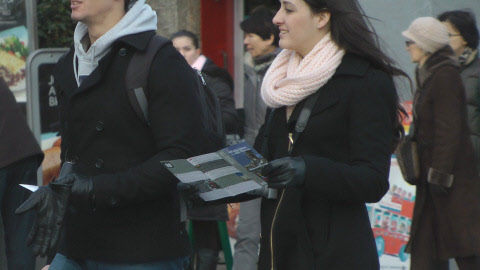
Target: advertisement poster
[391,219]
[13,46]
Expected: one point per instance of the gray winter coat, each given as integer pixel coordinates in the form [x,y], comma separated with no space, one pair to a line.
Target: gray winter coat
[471,80]
[253,104]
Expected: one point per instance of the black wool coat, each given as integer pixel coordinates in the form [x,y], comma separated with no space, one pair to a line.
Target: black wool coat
[346,146]
[135,216]
[16,139]
[220,81]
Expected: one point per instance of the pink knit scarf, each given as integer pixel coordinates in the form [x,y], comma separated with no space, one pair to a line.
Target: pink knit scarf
[290,78]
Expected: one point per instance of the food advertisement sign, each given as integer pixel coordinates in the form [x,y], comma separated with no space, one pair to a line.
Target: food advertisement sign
[13,46]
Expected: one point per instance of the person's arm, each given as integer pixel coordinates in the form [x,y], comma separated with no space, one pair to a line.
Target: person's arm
[364,178]
[227,105]
[448,109]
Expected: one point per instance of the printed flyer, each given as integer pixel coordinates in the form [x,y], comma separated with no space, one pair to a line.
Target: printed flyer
[229,172]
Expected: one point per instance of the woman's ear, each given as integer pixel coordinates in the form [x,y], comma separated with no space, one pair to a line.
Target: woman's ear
[323,19]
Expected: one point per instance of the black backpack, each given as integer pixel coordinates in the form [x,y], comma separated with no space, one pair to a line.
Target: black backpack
[136,84]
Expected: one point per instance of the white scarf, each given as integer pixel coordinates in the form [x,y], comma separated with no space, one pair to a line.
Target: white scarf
[290,78]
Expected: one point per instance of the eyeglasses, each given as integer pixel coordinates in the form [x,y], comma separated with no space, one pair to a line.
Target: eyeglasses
[453,35]
[408,43]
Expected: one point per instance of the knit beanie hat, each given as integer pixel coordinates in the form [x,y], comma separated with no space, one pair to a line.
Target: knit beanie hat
[428,33]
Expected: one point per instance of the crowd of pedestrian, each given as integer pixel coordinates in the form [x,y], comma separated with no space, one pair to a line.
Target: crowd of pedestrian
[320,104]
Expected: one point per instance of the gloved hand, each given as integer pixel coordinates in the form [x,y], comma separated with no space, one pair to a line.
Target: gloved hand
[265,192]
[285,172]
[82,195]
[438,189]
[50,203]
[189,192]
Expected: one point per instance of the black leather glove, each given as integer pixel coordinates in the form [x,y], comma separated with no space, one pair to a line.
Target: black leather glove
[50,203]
[285,172]
[189,192]
[82,195]
[438,189]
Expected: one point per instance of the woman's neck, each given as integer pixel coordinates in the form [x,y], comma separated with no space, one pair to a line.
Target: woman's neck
[423,60]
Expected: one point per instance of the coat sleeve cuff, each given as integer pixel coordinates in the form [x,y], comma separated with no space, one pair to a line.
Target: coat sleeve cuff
[440,178]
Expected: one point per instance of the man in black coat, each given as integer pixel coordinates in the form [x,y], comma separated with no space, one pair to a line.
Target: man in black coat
[121,206]
[20,156]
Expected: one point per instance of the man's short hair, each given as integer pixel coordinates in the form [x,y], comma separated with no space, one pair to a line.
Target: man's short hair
[188,34]
[464,22]
[259,22]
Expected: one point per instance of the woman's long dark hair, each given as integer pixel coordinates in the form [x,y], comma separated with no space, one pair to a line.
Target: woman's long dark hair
[352,30]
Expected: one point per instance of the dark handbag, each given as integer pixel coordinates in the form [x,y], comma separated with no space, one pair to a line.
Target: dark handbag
[407,157]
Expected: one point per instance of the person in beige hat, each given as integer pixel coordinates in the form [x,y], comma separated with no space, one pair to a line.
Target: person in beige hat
[428,34]
[446,217]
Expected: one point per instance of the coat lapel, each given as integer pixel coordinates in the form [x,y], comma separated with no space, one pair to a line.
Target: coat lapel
[97,74]
[328,94]
[327,97]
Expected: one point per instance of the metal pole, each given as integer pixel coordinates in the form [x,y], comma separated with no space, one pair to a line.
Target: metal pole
[238,52]
[31,12]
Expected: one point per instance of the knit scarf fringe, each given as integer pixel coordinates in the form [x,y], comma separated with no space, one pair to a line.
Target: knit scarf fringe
[290,78]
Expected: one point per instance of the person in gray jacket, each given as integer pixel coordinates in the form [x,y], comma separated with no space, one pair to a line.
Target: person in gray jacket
[463,33]
[261,41]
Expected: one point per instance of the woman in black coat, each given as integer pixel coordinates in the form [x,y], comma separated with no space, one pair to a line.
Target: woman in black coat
[326,173]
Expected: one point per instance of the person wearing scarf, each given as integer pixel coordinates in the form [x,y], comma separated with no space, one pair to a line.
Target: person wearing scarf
[464,36]
[326,173]
[446,215]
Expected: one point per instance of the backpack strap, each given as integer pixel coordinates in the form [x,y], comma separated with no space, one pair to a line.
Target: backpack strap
[299,126]
[136,78]
[136,82]
[266,133]
[303,118]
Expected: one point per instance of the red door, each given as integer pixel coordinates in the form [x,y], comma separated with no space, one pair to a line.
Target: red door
[217,31]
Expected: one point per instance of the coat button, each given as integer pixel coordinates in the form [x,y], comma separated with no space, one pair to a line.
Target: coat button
[99,163]
[122,52]
[113,201]
[74,160]
[99,126]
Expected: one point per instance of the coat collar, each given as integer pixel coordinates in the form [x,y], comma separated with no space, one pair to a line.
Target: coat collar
[443,57]
[138,41]
[352,65]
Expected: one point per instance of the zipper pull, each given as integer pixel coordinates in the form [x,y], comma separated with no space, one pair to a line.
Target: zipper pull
[201,76]
[290,141]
